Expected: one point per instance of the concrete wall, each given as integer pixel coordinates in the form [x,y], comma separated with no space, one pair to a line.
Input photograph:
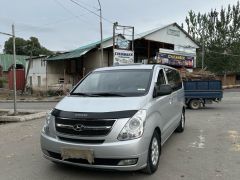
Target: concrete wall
[230,80]
[180,39]
[37,73]
[173,35]
[56,70]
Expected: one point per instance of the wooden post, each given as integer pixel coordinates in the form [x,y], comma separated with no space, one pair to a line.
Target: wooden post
[148,51]
[46,64]
[64,77]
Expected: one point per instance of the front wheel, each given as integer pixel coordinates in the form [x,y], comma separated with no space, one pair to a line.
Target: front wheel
[181,125]
[154,152]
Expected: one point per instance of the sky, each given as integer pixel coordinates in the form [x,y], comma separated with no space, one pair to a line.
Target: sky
[62,25]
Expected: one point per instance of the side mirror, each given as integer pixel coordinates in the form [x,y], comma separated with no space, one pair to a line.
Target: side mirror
[162,90]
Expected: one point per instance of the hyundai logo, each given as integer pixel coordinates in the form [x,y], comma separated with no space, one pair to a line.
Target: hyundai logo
[78,127]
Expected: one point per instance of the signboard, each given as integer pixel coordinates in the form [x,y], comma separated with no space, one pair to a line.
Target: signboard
[123,57]
[123,46]
[173,32]
[175,60]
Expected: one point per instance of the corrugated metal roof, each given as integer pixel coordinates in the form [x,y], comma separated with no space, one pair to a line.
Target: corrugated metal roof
[84,49]
[77,52]
[6,61]
[69,55]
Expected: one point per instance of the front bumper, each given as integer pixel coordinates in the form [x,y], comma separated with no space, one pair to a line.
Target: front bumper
[106,154]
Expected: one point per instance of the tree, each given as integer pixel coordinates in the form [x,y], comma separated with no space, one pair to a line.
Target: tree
[26,47]
[219,32]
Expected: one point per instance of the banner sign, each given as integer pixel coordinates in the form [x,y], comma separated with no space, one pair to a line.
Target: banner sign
[175,60]
[123,57]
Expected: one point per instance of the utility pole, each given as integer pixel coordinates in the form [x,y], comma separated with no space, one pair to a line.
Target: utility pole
[14,66]
[14,70]
[101,45]
[225,71]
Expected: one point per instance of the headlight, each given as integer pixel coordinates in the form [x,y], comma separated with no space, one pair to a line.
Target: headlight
[47,122]
[133,129]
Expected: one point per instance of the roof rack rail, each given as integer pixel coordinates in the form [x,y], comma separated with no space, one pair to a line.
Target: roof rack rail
[132,64]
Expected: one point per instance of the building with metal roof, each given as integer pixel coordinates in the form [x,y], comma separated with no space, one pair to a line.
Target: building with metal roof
[6,64]
[172,40]
[6,61]
[155,35]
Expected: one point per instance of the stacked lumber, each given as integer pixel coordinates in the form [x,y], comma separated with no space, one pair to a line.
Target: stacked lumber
[199,75]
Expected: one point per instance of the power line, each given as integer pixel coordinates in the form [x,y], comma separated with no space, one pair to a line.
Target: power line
[83,7]
[74,15]
[79,17]
[69,11]
[93,7]
[47,24]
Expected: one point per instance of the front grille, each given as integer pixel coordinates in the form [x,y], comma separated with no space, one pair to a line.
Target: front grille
[84,141]
[97,161]
[83,127]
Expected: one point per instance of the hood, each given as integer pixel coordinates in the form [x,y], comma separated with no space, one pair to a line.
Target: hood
[101,104]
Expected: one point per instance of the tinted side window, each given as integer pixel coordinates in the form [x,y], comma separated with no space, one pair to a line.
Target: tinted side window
[174,79]
[178,80]
[161,78]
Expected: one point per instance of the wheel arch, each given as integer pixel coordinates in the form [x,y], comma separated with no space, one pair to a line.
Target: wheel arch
[158,130]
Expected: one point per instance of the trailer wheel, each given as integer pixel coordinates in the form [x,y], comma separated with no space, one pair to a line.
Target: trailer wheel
[194,104]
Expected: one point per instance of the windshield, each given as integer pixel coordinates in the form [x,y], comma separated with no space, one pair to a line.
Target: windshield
[115,83]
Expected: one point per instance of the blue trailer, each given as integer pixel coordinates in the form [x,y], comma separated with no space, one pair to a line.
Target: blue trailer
[200,92]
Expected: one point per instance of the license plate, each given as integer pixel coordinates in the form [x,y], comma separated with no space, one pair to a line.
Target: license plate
[75,153]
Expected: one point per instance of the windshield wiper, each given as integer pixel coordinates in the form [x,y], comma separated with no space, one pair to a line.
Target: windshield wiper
[108,94]
[83,94]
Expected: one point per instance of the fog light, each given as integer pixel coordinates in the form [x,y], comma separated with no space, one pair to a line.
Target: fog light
[126,162]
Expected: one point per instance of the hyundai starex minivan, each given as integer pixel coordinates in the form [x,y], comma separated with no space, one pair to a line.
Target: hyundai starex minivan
[116,118]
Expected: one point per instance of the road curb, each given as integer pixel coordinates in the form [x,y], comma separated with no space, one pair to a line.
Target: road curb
[8,101]
[22,118]
[231,86]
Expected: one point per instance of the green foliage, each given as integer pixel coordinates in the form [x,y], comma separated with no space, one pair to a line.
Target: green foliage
[219,32]
[26,47]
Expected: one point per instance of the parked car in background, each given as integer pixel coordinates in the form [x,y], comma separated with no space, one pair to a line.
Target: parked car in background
[116,118]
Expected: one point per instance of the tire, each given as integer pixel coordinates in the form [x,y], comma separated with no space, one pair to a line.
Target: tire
[154,152]
[181,125]
[194,104]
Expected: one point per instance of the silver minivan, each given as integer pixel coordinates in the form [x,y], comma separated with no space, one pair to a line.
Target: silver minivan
[116,118]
